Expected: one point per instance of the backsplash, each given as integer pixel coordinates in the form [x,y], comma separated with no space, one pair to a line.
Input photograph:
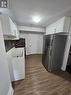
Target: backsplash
[14,43]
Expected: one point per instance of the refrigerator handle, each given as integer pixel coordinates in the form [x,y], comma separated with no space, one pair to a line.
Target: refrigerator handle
[50,52]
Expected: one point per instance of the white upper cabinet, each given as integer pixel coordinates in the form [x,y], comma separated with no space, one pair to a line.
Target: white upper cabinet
[51,29]
[9,28]
[62,25]
[14,28]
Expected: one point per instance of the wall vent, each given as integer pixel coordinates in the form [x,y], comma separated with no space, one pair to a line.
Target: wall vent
[3,3]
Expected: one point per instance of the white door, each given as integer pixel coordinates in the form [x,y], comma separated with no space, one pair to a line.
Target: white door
[32,43]
[35,43]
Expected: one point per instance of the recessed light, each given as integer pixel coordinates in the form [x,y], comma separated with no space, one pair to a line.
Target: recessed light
[36,19]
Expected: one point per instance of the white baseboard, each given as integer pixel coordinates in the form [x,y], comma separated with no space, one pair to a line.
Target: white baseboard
[10,91]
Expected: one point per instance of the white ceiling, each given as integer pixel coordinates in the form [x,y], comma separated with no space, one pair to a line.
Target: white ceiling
[48,10]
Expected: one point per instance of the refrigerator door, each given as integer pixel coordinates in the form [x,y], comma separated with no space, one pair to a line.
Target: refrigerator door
[47,47]
[59,44]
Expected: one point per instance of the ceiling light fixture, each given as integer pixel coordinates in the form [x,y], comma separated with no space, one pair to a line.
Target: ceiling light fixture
[36,19]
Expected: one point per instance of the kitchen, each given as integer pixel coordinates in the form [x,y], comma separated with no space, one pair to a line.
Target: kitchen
[35,49]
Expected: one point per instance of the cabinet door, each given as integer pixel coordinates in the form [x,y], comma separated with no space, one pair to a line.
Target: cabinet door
[62,25]
[14,29]
[9,29]
[5,25]
[51,29]
[17,33]
[18,68]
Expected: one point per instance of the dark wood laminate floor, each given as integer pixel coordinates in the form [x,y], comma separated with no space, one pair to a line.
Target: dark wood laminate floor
[40,82]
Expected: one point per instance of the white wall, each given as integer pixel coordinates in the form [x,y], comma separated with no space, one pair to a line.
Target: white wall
[34,42]
[4,72]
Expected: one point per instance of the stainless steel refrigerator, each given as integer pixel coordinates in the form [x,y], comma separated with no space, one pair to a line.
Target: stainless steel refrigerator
[53,51]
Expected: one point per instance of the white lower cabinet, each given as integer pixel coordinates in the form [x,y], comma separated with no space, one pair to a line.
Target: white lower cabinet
[16,62]
[18,68]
